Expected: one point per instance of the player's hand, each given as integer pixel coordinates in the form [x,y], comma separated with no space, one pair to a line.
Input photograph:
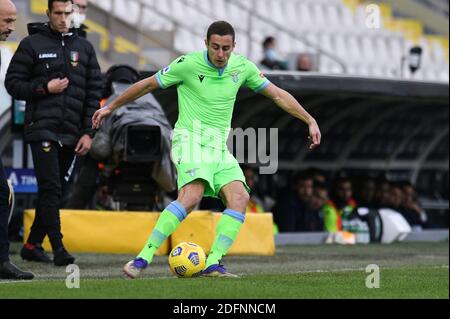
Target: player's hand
[314,135]
[57,86]
[84,145]
[99,116]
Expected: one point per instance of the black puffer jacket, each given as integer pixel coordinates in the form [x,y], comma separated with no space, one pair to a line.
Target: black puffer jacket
[45,55]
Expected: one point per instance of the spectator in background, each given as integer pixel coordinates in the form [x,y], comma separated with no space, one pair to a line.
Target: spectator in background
[255,203]
[314,217]
[58,75]
[382,193]
[295,204]
[272,59]
[341,206]
[82,6]
[367,209]
[410,206]
[305,62]
[318,175]
[366,195]
[396,197]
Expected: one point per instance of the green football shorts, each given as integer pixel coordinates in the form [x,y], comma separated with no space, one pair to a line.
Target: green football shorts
[216,168]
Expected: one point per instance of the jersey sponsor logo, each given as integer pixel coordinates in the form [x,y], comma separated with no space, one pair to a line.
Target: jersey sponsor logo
[165,70]
[48,56]
[235,76]
[201,78]
[74,58]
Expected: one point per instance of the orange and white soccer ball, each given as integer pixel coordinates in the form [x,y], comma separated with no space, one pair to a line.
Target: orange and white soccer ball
[187,260]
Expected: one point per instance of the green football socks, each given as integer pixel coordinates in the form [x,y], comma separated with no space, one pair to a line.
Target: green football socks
[226,232]
[167,223]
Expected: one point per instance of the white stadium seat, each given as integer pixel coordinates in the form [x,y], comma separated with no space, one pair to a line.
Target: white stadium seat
[327,24]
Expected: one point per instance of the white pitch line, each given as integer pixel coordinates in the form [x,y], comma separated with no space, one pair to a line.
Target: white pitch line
[171,277]
[361,269]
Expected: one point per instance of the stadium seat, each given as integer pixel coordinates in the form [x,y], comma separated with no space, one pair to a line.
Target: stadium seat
[185,41]
[305,20]
[242,43]
[127,10]
[104,4]
[329,25]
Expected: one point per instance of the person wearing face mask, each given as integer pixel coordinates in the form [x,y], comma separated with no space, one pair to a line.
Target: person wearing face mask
[57,73]
[81,10]
[79,17]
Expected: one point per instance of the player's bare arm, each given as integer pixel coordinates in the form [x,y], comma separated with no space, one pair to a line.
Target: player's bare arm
[133,93]
[289,104]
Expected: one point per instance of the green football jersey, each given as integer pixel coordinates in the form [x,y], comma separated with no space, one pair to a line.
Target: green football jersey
[206,95]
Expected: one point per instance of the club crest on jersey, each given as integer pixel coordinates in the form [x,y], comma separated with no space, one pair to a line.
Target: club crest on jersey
[235,76]
[165,70]
[74,58]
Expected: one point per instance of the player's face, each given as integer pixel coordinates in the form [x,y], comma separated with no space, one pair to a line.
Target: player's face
[7,21]
[61,16]
[219,49]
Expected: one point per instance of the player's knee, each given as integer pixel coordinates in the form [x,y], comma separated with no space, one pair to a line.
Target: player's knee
[190,199]
[239,200]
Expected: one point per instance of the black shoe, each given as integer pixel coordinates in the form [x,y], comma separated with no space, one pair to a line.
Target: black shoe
[11,272]
[36,254]
[62,258]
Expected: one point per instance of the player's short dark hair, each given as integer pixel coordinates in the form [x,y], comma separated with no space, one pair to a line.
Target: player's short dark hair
[50,3]
[221,28]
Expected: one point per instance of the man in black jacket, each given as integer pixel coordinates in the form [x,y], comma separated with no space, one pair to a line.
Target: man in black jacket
[57,74]
[7,269]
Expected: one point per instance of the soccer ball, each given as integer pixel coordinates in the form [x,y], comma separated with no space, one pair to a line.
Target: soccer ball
[187,260]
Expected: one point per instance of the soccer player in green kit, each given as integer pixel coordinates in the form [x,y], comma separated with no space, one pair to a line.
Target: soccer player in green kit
[207,84]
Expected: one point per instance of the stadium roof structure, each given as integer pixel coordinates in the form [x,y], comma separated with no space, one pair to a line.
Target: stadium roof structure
[366,123]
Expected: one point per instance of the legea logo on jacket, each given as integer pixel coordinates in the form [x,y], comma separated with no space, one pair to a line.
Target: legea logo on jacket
[48,56]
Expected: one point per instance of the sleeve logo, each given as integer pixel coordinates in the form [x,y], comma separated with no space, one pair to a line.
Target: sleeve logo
[165,70]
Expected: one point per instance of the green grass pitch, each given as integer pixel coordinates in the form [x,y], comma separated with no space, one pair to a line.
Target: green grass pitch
[407,270]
